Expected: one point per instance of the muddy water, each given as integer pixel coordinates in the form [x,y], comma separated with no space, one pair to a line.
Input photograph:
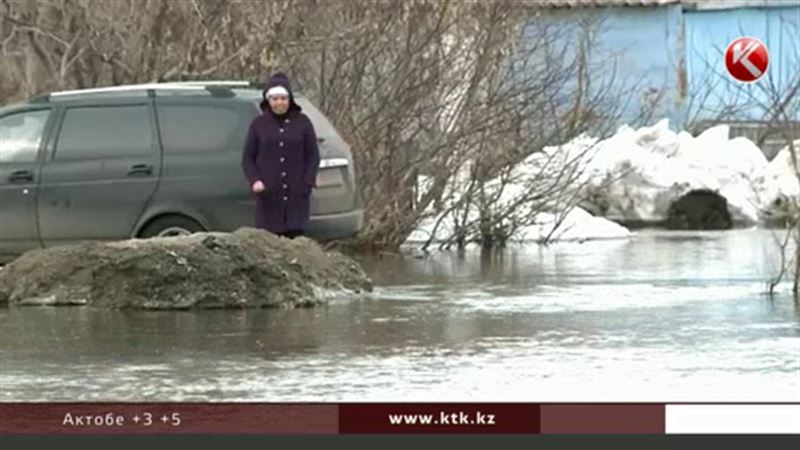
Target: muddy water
[664,316]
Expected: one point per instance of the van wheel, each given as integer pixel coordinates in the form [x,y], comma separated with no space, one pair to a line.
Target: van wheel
[170,226]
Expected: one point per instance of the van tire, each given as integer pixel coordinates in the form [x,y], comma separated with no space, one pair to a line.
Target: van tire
[172,225]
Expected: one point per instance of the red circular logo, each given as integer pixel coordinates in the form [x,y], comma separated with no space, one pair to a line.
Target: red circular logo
[747,59]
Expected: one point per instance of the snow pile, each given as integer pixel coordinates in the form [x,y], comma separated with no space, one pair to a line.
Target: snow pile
[780,179]
[507,193]
[633,176]
[576,225]
[637,174]
[439,227]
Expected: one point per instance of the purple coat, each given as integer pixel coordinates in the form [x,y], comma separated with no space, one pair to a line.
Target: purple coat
[285,157]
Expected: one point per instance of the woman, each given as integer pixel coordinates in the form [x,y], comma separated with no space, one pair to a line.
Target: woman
[280,161]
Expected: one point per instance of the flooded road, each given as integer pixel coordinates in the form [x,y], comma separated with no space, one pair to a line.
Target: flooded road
[663,316]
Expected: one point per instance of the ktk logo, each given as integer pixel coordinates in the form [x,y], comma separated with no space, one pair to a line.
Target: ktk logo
[747,59]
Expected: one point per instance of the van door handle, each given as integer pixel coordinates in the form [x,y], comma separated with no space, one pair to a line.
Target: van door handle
[140,169]
[20,176]
[320,139]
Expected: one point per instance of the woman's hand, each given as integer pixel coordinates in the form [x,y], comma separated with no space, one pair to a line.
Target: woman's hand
[258,187]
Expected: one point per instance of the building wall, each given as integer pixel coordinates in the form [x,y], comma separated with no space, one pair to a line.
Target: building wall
[708,34]
[676,54]
[643,44]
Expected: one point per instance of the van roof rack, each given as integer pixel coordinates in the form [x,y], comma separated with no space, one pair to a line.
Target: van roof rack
[215,87]
[124,88]
[230,83]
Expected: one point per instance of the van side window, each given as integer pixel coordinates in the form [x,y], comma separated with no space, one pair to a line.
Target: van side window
[21,135]
[200,128]
[105,132]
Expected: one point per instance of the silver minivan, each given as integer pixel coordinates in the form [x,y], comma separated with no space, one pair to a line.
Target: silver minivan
[148,160]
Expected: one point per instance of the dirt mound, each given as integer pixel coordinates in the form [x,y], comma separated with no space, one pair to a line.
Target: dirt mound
[248,268]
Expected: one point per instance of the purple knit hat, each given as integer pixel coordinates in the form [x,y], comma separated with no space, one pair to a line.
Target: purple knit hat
[278,79]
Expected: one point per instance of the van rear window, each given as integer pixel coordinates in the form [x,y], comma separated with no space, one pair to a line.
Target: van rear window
[322,126]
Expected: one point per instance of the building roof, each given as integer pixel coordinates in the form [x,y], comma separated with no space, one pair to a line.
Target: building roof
[686,4]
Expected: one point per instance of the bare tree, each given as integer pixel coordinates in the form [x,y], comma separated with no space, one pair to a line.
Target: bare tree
[430,89]
[541,93]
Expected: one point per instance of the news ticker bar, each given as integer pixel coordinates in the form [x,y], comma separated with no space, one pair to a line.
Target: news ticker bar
[398,418]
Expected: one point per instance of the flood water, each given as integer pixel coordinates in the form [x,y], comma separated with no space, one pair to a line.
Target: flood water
[663,316]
